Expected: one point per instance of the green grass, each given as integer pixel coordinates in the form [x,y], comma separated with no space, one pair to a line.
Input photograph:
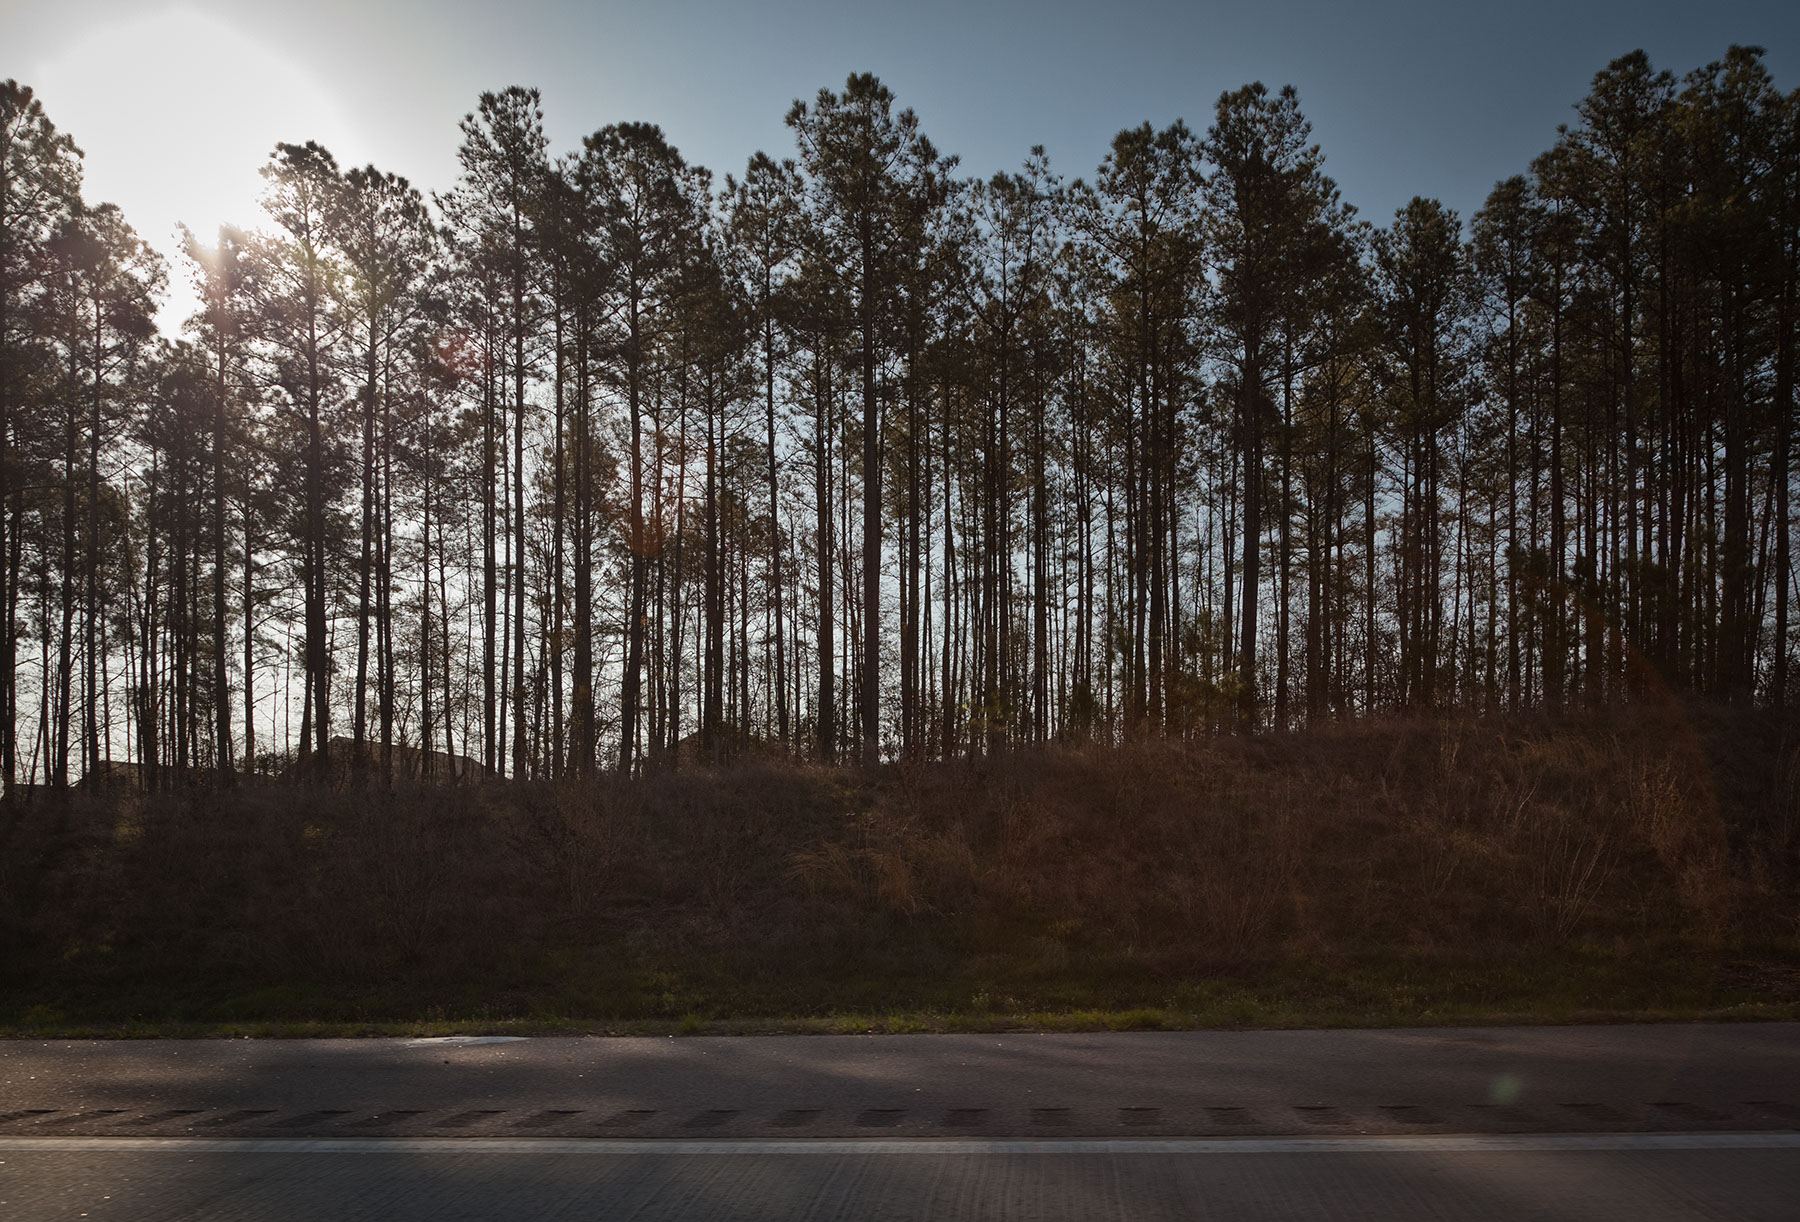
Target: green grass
[1248,1014]
[1581,985]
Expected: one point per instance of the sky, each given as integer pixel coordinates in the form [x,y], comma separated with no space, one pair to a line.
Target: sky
[176,104]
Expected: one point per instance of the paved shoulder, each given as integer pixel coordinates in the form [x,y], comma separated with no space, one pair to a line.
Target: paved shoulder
[1678,1078]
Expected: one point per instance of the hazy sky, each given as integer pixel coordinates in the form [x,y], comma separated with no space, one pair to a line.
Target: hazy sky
[177,104]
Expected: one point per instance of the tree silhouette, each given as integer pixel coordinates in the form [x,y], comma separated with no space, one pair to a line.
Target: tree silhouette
[860,459]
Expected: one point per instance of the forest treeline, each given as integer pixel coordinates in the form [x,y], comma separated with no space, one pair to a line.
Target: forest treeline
[594,459]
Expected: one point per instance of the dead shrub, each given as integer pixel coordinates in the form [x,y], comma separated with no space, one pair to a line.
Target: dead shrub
[1570,857]
[1681,825]
[889,860]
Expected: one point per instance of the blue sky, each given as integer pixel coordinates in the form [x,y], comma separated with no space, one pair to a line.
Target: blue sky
[177,103]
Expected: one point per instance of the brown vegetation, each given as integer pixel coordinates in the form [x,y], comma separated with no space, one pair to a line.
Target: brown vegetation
[1433,853]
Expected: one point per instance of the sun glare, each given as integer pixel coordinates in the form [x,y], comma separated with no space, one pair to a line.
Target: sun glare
[176,113]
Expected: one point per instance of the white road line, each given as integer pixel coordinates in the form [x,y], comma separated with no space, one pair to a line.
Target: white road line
[1467,1144]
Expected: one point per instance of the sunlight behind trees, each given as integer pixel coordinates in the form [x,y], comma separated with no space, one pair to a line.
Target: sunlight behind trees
[177,112]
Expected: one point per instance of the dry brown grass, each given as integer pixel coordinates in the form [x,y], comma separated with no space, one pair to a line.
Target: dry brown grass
[1650,831]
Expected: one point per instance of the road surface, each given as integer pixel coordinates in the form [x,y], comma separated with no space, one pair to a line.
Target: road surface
[1641,1122]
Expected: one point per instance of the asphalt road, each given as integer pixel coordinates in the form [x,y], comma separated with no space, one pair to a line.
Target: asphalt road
[1240,1179]
[1644,1122]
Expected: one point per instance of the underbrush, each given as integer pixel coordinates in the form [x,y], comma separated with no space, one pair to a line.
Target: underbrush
[1641,860]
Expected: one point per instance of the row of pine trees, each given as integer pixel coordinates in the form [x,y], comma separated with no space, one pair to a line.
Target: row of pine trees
[595,460]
